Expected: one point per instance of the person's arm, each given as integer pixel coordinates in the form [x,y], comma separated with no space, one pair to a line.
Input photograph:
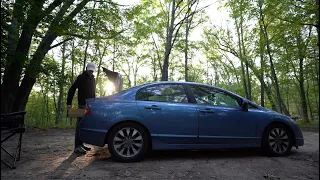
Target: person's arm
[72,90]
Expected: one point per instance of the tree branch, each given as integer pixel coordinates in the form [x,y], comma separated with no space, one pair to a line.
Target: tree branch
[229,48]
[155,44]
[52,6]
[189,15]
[92,37]
[78,8]
[293,22]
[177,15]
[56,45]
[178,4]
[176,35]
[110,2]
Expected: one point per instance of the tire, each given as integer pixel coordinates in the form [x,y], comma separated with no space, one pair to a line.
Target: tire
[126,147]
[275,145]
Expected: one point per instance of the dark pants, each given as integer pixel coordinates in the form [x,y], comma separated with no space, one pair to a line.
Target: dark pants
[77,141]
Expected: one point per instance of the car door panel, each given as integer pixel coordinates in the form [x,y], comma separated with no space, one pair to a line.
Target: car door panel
[175,122]
[227,125]
[221,119]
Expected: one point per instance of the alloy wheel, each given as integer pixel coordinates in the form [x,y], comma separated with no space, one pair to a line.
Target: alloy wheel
[128,142]
[278,140]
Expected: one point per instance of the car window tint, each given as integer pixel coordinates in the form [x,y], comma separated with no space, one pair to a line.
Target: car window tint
[212,96]
[163,93]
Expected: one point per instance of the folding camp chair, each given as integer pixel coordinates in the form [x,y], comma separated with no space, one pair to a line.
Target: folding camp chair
[12,124]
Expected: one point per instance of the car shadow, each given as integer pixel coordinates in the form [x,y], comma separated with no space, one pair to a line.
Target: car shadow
[202,154]
[101,159]
[171,155]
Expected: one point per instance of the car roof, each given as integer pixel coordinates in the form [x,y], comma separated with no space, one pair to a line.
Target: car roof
[182,82]
[175,82]
[132,91]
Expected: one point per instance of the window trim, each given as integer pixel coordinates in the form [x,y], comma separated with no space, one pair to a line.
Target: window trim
[194,101]
[185,88]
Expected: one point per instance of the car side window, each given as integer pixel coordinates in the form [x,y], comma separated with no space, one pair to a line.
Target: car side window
[163,93]
[212,96]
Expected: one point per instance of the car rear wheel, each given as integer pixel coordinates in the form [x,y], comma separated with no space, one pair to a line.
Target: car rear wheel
[277,140]
[128,142]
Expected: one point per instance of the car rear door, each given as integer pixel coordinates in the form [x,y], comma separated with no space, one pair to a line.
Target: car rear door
[167,109]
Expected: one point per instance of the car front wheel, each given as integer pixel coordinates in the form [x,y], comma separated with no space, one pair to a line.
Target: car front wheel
[277,140]
[128,142]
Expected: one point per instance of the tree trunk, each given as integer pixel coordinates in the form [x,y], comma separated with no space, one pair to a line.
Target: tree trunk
[168,46]
[11,77]
[87,42]
[188,26]
[262,80]
[262,62]
[43,102]
[47,105]
[34,67]
[241,58]
[317,95]
[309,102]
[154,68]
[270,96]
[72,62]
[100,62]
[61,85]
[316,84]
[114,54]
[282,108]
[186,53]
[302,92]
[267,88]
[301,79]
[32,72]
[248,88]
[13,70]
[244,80]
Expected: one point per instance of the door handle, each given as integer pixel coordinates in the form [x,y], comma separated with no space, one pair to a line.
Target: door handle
[206,110]
[153,107]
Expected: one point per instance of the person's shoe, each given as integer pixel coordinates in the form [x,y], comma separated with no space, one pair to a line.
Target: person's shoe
[79,151]
[85,148]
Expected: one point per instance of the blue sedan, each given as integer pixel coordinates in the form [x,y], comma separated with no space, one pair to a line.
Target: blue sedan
[183,115]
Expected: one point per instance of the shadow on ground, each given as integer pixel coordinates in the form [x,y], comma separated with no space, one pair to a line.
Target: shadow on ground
[202,154]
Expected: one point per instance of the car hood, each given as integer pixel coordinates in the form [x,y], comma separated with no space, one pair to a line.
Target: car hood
[279,115]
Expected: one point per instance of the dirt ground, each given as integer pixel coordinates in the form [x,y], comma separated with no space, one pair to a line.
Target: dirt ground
[47,154]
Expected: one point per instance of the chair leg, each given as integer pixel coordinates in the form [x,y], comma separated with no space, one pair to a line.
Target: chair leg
[19,146]
[15,156]
[5,163]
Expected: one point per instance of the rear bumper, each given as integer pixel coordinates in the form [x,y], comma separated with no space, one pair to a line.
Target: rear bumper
[93,136]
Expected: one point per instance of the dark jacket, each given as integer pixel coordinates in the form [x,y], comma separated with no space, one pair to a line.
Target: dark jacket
[86,86]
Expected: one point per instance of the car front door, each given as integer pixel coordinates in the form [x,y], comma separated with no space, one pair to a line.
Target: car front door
[167,109]
[222,119]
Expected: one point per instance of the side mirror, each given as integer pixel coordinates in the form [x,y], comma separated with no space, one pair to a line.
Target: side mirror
[245,105]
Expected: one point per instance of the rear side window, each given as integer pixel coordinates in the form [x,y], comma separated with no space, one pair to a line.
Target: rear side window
[163,93]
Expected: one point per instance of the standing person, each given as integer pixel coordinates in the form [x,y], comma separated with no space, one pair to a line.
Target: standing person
[85,83]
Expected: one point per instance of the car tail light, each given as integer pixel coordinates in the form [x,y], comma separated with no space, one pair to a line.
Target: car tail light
[87,111]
